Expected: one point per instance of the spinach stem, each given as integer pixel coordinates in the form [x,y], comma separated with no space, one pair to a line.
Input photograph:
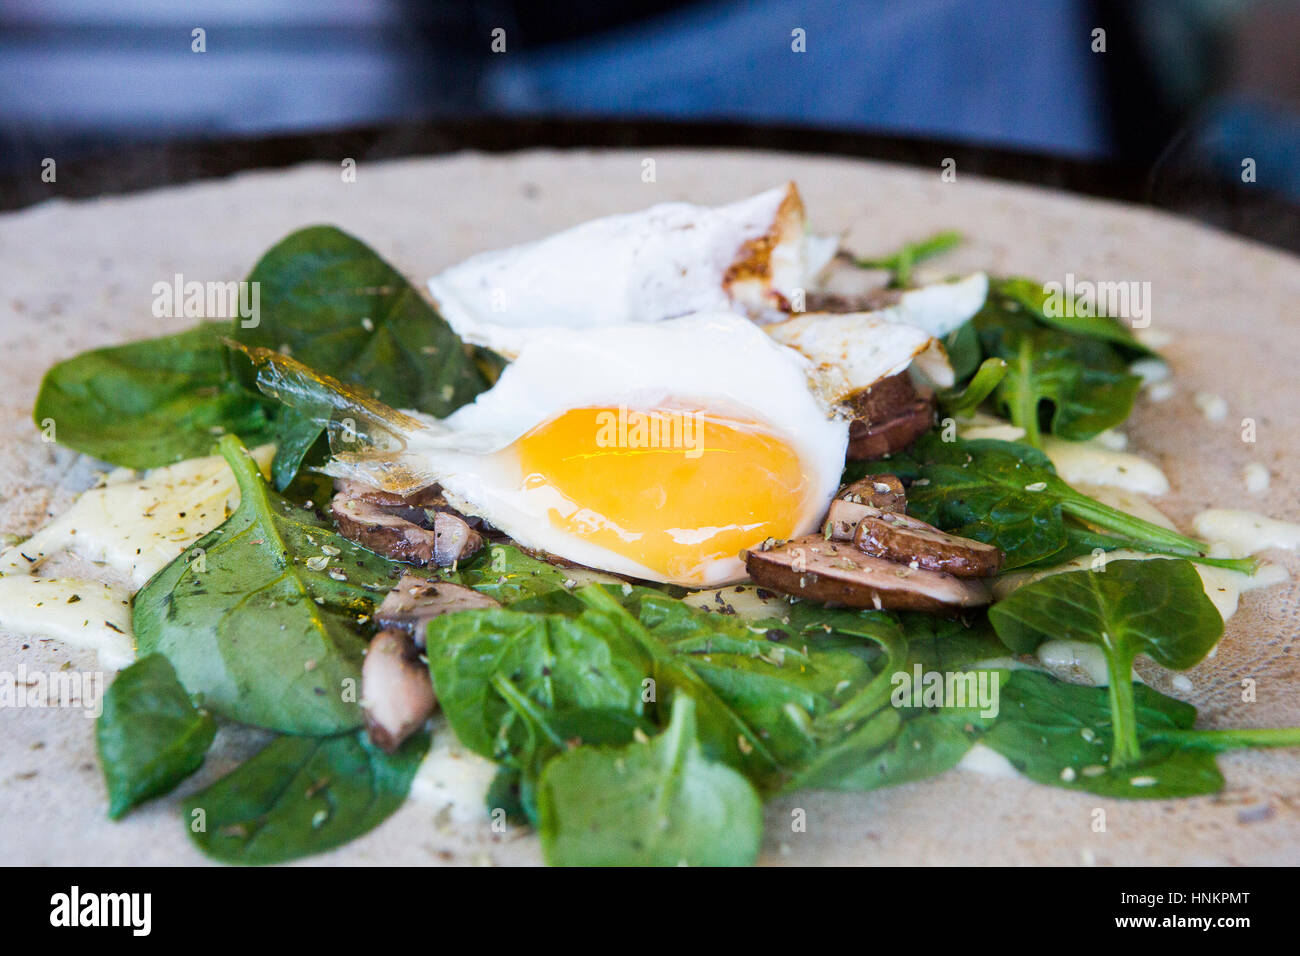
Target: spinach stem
[1024,411]
[901,262]
[1140,531]
[1119,665]
[1219,740]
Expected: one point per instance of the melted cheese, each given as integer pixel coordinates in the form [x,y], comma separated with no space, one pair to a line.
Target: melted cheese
[1235,533]
[86,614]
[136,525]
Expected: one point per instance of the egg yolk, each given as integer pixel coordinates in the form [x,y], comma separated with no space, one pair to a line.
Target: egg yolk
[672,489]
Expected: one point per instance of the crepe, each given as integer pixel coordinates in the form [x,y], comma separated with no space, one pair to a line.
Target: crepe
[79,275]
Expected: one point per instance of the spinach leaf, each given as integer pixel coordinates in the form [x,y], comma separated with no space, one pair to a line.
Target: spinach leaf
[1154,607]
[659,803]
[506,573]
[889,749]
[336,306]
[490,666]
[150,736]
[302,795]
[1066,375]
[777,677]
[949,643]
[548,732]
[964,351]
[1074,389]
[987,377]
[901,262]
[1063,735]
[262,617]
[153,402]
[1008,494]
[1033,297]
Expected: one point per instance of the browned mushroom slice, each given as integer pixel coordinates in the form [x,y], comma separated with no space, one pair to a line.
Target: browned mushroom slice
[887,417]
[862,499]
[872,440]
[882,400]
[414,602]
[396,693]
[835,573]
[396,534]
[910,541]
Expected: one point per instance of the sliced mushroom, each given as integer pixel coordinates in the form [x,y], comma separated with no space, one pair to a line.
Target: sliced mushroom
[415,601]
[862,499]
[871,440]
[911,541]
[396,693]
[400,532]
[887,417]
[430,497]
[835,573]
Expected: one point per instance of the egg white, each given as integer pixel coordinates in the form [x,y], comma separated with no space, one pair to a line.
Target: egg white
[670,260]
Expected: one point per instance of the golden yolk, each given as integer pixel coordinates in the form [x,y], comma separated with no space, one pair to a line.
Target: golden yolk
[670,489]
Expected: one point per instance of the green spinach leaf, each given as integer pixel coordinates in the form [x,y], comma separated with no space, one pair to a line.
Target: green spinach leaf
[151,403]
[1063,735]
[1132,607]
[659,803]
[1074,389]
[1033,297]
[302,795]
[1008,494]
[339,308]
[490,666]
[150,736]
[263,616]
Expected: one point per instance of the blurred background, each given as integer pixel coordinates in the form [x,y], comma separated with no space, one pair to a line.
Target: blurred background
[1178,89]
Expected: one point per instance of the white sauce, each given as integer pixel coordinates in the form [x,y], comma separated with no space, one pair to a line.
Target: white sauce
[1237,533]
[136,526]
[1075,661]
[1153,338]
[984,760]
[1150,370]
[452,778]
[1091,463]
[1213,407]
[1160,391]
[1256,478]
[86,614]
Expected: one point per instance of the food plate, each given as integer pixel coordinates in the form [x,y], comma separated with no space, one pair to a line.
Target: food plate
[80,275]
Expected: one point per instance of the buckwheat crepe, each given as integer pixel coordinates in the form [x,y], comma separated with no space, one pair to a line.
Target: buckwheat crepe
[78,275]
